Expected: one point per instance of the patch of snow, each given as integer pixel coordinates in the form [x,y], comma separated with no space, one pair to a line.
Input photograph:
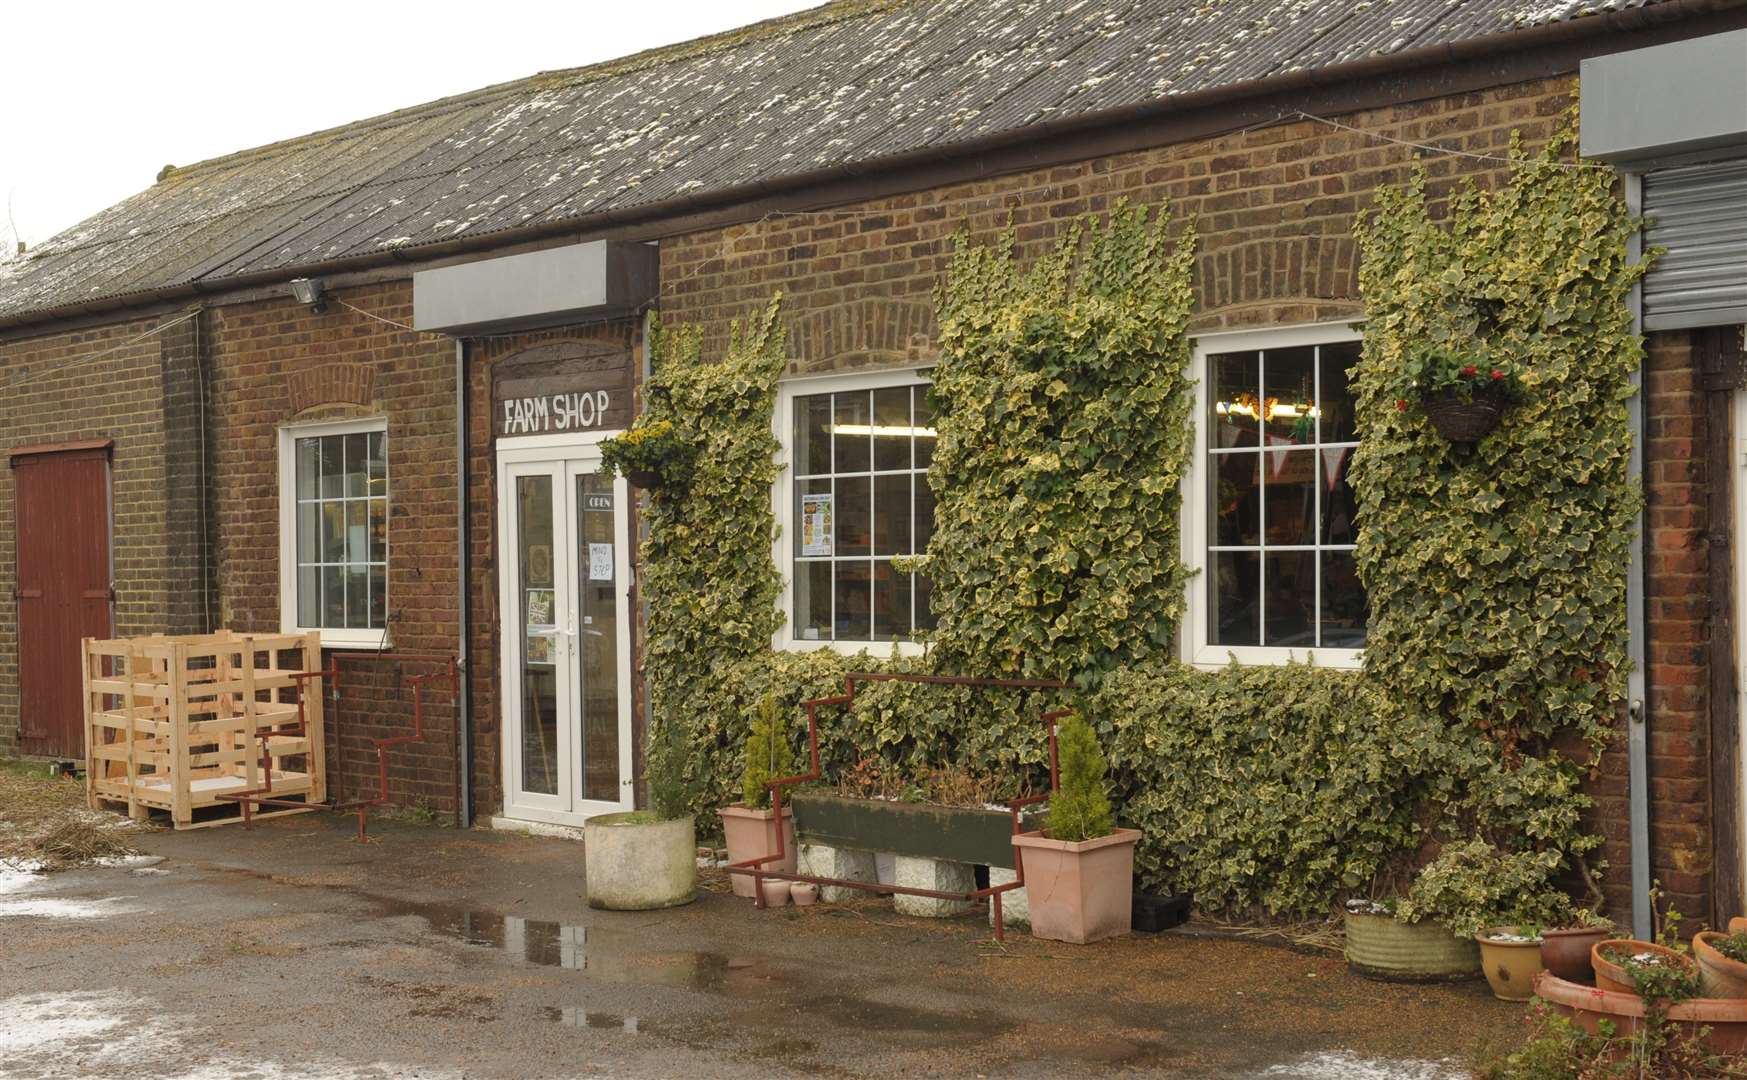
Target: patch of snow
[109,1033]
[130,861]
[1345,1065]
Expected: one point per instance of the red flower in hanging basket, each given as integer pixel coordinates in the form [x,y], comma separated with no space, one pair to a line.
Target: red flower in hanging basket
[1497,374]
[1400,404]
[1470,371]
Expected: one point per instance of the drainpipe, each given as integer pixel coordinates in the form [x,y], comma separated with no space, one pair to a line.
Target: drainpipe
[463,605]
[1637,620]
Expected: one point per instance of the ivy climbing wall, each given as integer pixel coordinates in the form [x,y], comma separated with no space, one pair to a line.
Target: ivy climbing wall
[1451,771]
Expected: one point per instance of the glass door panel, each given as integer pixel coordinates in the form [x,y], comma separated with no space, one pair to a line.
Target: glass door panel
[599,692]
[566,635]
[542,643]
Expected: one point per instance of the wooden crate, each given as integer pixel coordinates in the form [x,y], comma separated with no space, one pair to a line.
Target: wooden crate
[172,723]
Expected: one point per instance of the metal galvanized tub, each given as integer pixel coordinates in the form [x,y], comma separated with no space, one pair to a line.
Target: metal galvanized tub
[1380,947]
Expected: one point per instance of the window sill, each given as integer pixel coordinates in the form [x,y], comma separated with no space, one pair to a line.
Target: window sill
[1214,657]
[874,649]
[367,640]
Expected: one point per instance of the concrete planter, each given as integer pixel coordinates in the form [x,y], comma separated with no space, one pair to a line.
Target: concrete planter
[1079,891]
[634,862]
[752,834]
[960,834]
[1381,947]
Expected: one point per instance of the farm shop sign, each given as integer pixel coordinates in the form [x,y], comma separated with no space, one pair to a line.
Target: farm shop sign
[577,411]
[562,388]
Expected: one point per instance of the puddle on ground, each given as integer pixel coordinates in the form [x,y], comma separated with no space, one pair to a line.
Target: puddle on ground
[570,1016]
[603,953]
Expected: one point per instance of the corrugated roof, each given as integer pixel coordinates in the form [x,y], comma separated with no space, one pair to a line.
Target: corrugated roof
[842,85]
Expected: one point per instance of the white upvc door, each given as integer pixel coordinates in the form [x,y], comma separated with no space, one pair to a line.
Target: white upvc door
[564,582]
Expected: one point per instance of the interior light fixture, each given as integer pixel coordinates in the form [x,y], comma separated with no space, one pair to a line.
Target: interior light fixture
[310,291]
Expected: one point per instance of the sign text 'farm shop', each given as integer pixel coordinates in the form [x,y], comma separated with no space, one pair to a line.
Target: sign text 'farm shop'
[558,412]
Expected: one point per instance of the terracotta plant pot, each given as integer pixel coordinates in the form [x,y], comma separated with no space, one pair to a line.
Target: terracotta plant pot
[776,892]
[751,834]
[1081,890]
[1381,947]
[1721,976]
[1723,1020]
[1565,952]
[1510,966]
[1609,975]
[1738,924]
[804,893]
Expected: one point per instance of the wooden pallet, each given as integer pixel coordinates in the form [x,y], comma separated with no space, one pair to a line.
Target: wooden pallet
[174,723]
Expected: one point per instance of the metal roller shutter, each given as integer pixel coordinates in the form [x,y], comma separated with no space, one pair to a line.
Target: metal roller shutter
[1698,213]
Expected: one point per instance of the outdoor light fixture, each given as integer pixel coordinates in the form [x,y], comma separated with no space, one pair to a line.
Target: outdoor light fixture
[309,291]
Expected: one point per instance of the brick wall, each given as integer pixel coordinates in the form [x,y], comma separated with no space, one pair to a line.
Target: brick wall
[1275,209]
[1677,549]
[111,382]
[261,355]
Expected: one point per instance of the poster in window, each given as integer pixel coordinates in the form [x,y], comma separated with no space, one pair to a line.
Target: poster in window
[816,525]
[539,564]
[540,647]
[600,562]
[539,608]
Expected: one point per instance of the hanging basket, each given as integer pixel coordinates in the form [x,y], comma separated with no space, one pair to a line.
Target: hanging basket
[1464,420]
[644,478]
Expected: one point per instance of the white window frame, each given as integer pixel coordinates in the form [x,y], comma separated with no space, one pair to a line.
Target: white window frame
[331,637]
[1196,648]
[782,425]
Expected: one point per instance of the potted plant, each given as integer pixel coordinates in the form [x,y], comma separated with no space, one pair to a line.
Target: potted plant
[1382,945]
[950,813]
[647,858]
[1079,869]
[1722,963]
[751,826]
[1623,965]
[649,455]
[1463,391]
[1511,958]
[1565,949]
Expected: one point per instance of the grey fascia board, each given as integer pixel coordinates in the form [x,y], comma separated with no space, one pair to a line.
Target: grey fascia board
[574,283]
[1684,97]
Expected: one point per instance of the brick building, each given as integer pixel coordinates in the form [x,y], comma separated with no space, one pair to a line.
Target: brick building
[268,462]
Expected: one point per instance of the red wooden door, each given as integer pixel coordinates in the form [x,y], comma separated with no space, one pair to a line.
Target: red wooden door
[63,589]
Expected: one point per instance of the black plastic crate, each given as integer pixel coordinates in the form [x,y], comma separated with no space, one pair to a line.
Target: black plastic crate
[1155,913]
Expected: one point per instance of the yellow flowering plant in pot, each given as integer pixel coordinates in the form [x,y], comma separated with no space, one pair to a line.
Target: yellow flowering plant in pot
[651,454]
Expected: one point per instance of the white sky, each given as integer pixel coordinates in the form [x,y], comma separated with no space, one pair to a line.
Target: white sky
[96,97]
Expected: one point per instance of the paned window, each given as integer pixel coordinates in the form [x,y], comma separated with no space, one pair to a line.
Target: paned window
[334,485]
[1280,521]
[858,496]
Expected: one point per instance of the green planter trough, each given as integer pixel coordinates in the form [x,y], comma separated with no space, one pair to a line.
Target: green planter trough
[957,834]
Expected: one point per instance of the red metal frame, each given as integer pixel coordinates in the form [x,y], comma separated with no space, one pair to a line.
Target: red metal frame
[992,893]
[262,796]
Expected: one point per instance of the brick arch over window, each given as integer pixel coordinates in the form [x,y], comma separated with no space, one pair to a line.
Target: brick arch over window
[1318,271]
[339,383]
[872,331]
